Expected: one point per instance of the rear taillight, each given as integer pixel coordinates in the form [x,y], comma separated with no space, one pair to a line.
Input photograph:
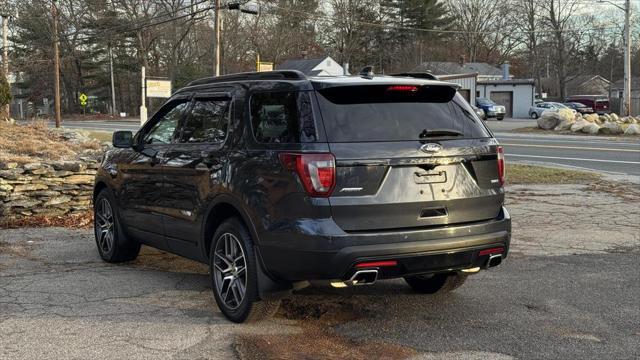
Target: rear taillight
[501,170]
[317,172]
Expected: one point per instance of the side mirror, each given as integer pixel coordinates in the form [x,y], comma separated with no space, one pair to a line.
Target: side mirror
[122,139]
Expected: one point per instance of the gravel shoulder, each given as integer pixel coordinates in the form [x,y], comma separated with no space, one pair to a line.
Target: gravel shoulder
[569,289]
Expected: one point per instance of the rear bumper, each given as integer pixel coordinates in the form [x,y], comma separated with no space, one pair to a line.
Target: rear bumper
[442,248]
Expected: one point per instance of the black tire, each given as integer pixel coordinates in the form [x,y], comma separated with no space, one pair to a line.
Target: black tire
[534,115]
[436,283]
[113,245]
[500,118]
[250,308]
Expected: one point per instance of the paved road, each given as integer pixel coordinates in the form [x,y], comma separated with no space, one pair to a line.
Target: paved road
[620,156]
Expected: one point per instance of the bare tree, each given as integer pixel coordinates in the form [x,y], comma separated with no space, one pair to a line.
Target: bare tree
[559,15]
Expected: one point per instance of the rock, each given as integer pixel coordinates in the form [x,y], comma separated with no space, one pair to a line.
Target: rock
[578,125]
[63,173]
[633,129]
[564,125]
[47,193]
[32,166]
[30,187]
[612,128]
[549,120]
[591,117]
[29,203]
[591,128]
[8,165]
[57,200]
[5,187]
[614,117]
[79,179]
[11,174]
[74,166]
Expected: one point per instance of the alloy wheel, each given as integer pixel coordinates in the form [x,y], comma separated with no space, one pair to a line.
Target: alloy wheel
[104,225]
[230,270]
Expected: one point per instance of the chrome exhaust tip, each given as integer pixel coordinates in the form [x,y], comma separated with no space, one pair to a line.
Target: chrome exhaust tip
[363,277]
[494,260]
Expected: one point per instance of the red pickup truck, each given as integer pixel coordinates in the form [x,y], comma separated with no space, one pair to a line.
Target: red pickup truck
[599,103]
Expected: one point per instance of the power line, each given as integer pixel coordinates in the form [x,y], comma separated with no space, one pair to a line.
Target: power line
[337,19]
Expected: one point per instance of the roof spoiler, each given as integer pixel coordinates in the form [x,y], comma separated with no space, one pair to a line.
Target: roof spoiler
[266,75]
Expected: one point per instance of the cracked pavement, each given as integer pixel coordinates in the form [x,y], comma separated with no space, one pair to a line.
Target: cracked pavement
[569,289]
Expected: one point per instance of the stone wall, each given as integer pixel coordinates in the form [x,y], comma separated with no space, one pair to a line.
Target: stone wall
[51,188]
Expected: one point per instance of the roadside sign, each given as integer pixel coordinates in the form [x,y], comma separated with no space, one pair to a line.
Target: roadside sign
[158,88]
[83,99]
[265,66]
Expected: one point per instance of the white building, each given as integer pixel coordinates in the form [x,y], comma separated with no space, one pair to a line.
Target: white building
[314,67]
[516,95]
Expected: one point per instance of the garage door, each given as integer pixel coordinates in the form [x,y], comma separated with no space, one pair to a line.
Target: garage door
[466,94]
[504,98]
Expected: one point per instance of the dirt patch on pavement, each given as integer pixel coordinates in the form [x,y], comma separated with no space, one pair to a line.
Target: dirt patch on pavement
[315,343]
[317,315]
[623,190]
[17,250]
[574,219]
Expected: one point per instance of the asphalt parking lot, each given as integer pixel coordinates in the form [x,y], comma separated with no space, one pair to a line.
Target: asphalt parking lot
[569,289]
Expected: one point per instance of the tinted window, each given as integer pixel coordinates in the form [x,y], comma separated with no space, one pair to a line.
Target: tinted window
[282,117]
[380,113]
[163,130]
[207,122]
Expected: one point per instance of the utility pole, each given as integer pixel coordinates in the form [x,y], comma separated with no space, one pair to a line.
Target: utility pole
[626,110]
[626,96]
[216,37]
[5,57]
[113,88]
[56,62]
[143,107]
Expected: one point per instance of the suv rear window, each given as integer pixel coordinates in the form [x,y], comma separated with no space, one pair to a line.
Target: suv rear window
[282,117]
[395,113]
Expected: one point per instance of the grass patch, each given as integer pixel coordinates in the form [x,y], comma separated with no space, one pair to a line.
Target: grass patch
[531,174]
[100,135]
[35,142]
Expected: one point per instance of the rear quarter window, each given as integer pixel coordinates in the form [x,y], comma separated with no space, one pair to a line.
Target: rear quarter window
[282,117]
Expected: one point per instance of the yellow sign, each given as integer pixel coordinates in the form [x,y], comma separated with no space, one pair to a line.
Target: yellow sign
[265,66]
[159,88]
[83,99]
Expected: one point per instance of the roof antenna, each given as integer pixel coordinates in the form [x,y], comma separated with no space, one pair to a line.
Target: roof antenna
[367,72]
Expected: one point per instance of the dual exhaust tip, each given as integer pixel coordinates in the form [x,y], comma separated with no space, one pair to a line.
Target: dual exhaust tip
[363,277]
[370,276]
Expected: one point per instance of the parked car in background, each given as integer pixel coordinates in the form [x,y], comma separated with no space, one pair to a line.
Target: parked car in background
[491,109]
[579,107]
[536,110]
[276,179]
[479,112]
[599,103]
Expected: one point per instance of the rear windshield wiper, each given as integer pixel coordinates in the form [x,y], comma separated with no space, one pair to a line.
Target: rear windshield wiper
[439,132]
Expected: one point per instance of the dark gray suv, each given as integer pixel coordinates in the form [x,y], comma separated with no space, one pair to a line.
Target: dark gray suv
[277,179]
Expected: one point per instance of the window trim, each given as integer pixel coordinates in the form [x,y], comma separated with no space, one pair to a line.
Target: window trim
[311,94]
[207,96]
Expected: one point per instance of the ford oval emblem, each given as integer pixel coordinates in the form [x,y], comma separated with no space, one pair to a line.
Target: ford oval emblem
[431,148]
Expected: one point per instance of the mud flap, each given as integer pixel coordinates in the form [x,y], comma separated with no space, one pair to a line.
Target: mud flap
[269,289]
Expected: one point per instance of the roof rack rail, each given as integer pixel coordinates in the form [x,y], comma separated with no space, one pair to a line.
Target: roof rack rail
[417,75]
[267,75]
